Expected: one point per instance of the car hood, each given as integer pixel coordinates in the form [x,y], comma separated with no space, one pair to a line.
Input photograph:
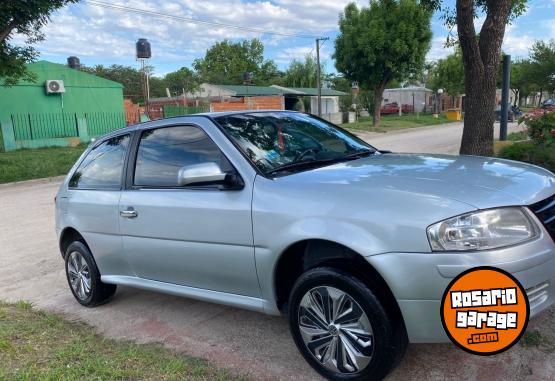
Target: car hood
[480,182]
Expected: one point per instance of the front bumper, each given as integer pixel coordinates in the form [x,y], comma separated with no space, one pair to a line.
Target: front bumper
[418,280]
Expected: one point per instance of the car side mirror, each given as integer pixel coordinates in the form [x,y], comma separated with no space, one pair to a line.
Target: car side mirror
[208,174]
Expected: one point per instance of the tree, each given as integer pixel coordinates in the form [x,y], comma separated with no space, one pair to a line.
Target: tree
[386,41]
[225,63]
[481,57]
[448,74]
[521,83]
[157,86]
[129,77]
[182,80]
[301,73]
[541,67]
[26,17]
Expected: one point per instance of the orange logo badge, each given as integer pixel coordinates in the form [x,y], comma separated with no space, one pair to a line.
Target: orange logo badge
[485,310]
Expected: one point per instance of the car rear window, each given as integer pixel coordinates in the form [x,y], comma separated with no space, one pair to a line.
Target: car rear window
[102,168]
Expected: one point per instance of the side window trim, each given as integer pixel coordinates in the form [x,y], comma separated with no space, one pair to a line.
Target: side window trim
[132,162]
[123,170]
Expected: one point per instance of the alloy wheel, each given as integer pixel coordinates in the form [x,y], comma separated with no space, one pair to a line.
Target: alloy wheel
[79,275]
[336,330]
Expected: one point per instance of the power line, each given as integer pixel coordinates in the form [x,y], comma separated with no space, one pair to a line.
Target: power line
[192,20]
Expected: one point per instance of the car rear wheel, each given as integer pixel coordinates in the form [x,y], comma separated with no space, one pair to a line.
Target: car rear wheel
[341,328]
[83,277]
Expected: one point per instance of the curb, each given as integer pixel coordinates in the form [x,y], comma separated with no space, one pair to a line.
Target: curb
[403,130]
[44,180]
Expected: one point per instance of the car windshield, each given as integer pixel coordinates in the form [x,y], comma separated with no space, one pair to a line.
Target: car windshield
[288,142]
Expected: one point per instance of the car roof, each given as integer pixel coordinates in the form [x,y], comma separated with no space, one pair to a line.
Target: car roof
[184,118]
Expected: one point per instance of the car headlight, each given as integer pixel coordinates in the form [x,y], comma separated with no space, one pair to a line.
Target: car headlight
[482,230]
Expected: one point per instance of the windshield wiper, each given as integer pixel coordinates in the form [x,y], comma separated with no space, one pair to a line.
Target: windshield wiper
[317,162]
[299,164]
[358,154]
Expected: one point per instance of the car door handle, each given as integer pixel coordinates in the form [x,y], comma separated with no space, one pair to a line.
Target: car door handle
[128,213]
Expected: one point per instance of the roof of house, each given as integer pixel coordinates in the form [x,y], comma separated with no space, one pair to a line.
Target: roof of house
[411,88]
[309,91]
[242,90]
[45,70]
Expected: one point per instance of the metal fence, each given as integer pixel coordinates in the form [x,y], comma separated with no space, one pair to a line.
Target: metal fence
[52,126]
[44,126]
[101,123]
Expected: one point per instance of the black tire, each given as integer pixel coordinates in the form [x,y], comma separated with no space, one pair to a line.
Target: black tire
[389,334]
[100,293]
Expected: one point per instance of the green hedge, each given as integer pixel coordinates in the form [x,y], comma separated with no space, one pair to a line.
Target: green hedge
[538,154]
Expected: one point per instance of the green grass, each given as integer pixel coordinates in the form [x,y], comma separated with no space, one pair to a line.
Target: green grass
[517,136]
[396,122]
[35,345]
[26,164]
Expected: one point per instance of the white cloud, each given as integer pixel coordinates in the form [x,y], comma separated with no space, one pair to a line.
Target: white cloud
[517,43]
[438,49]
[99,35]
[109,35]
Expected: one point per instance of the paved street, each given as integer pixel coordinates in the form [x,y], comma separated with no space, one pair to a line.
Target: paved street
[443,139]
[245,342]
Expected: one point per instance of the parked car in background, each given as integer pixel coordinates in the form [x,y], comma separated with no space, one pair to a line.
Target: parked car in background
[548,104]
[393,108]
[284,213]
[511,115]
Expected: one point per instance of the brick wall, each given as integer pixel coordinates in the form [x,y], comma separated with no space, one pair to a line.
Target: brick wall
[249,103]
[132,112]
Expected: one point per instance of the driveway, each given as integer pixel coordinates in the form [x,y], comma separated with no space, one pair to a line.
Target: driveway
[245,342]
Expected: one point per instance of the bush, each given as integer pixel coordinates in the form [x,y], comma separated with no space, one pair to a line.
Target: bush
[540,149]
[540,123]
[530,152]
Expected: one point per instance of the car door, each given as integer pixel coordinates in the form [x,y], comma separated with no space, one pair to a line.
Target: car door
[197,236]
[92,200]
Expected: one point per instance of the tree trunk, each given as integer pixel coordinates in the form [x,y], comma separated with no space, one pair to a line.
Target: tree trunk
[540,99]
[378,97]
[516,100]
[481,64]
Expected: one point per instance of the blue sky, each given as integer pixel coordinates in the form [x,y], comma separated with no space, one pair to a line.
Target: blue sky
[106,36]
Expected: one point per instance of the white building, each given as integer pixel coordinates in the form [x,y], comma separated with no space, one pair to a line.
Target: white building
[419,97]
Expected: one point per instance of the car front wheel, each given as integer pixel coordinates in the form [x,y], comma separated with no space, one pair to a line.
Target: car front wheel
[341,328]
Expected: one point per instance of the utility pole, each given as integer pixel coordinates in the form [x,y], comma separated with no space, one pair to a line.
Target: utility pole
[318,79]
[505,97]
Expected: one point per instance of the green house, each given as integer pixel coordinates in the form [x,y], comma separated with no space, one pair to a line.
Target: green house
[40,115]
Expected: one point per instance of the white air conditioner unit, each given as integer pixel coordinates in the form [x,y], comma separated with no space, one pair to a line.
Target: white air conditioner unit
[54,86]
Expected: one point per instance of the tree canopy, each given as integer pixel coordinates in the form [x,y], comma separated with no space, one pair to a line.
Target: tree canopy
[301,73]
[386,41]
[25,17]
[182,80]
[226,62]
[541,68]
[448,74]
[128,76]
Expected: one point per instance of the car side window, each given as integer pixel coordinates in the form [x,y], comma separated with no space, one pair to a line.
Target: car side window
[102,168]
[164,151]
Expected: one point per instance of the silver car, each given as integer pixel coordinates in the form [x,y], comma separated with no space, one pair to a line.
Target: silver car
[284,213]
